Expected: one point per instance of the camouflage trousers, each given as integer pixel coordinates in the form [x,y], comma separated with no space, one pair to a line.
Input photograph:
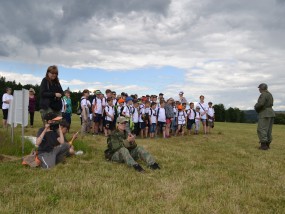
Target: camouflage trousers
[264,129]
[123,155]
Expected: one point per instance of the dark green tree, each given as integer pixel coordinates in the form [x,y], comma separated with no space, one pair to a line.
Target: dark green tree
[279,118]
[220,112]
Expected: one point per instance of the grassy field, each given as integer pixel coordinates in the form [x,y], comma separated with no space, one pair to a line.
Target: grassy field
[219,173]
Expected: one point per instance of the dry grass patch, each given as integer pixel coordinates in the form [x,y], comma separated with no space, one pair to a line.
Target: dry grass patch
[220,173]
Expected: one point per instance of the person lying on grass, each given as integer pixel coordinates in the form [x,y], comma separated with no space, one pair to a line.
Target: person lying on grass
[52,148]
[122,148]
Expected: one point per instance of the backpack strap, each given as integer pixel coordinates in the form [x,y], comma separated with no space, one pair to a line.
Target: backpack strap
[202,107]
[121,111]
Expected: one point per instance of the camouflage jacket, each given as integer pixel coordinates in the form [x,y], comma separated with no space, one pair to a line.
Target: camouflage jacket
[117,140]
[264,105]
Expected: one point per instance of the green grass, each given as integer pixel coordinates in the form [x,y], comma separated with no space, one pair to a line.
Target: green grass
[220,173]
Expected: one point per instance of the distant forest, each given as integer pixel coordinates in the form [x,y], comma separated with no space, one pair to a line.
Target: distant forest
[222,114]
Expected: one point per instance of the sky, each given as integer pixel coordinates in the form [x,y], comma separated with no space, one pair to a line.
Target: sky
[222,49]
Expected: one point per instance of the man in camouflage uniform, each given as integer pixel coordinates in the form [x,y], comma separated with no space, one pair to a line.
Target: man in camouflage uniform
[266,116]
[123,148]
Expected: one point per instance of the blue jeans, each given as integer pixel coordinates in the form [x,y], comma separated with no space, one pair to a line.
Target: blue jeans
[152,128]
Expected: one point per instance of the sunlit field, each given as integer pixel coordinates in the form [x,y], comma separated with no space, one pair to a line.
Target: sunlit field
[222,172]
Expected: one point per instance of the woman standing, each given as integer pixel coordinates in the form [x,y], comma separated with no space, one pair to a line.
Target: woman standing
[50,93]
[6,100]
[32,106]
[169,115]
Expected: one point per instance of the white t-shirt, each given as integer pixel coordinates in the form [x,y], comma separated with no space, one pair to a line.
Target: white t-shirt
[147,110]
[115,102]
[198,117]
[181,117]
[211,112]
[203,111]
[191,114]
[63,105]
[135,115]
[128,111]
[182,99]
[110,111]
[84,104]
[142,112]
[152,114]
[161,115]
[5,98]
[119,109]
[98,109]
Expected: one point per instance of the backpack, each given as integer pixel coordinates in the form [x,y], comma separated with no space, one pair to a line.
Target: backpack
[121,111]
[194,113]
[79,109]
[32,159]
[183,114]
[151,112]
[104,113]
[157,114]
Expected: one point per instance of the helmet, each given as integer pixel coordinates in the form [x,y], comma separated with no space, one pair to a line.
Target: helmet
[263,86]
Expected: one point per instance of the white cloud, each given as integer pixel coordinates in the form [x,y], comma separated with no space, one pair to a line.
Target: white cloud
[22,78]
[226,47]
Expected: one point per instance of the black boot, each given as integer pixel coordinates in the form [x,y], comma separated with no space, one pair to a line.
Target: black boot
[154,166]
[138,168]
[268,145]
[263,146]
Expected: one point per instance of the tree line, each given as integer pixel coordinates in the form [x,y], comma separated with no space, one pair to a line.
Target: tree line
[222,114]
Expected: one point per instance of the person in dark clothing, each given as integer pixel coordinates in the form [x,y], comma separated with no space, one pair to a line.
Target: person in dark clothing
[266,116]
[32,105]
[50,93]
[52,148]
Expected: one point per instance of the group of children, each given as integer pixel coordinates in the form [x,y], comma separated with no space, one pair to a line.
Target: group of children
[148,116]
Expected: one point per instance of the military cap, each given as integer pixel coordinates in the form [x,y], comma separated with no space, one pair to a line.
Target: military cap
[263,86]
[122,120]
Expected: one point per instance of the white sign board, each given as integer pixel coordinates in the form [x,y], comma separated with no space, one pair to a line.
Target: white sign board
[18,109]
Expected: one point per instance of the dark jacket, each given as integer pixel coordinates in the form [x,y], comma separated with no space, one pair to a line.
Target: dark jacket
[117,140]
[169,111]
[47,95]
[32,104]
[264,105]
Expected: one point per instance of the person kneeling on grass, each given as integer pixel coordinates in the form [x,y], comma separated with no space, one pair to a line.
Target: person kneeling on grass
[123,148]
[52,148]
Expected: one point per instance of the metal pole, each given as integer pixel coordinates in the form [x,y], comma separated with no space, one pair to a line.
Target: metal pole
[12,132]
[12,113]
[23,112]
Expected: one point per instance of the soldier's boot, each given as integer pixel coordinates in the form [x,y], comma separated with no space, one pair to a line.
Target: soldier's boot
[263,146]
[154,166]
[268,145]
[138,168]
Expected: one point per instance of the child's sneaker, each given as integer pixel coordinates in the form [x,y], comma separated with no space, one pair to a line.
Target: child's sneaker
[79,152]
